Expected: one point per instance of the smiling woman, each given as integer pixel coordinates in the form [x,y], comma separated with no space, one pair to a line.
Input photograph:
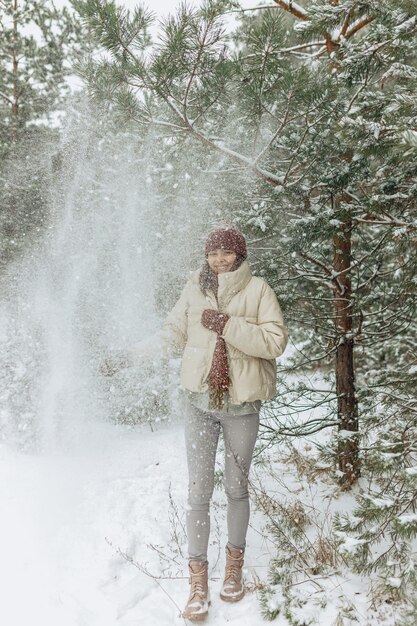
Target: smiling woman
[229,329]
[221,260]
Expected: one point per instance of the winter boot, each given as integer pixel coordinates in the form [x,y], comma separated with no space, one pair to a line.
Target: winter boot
[232,588]
[199,600]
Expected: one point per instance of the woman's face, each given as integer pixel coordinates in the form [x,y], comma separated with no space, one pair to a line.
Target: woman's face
[221,260]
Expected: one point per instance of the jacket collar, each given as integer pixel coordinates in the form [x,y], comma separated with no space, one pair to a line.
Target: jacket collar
[230,283]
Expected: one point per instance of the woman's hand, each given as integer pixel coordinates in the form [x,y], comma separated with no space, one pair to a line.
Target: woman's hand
[114,363]
[213,320]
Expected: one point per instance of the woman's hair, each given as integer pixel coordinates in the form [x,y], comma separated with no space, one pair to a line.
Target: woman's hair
[208,278]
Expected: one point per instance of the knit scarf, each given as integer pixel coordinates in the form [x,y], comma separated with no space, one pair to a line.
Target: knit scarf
[218,377]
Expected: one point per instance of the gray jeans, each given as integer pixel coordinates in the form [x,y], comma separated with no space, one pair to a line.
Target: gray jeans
[202,434]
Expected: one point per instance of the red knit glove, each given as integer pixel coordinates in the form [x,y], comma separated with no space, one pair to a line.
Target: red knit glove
[213,320]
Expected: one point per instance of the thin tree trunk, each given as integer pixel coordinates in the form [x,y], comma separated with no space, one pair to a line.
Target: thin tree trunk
[348,452]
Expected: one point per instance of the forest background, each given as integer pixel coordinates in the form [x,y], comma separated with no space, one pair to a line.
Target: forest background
[296,121]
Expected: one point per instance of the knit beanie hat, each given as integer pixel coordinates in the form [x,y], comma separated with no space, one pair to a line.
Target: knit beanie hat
[227,239]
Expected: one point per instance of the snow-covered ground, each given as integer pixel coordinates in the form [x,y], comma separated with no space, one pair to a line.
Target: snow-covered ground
[96,537]
[66,519]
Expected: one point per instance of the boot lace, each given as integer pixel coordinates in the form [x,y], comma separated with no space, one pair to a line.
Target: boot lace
[233,572]
[197,585]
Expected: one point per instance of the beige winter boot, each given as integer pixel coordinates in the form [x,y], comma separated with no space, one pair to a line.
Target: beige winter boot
[199,600]
[232,588]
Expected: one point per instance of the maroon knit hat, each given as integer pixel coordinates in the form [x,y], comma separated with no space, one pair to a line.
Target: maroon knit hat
[226,239]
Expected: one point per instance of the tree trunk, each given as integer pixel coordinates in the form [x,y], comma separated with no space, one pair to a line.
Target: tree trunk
[348,446]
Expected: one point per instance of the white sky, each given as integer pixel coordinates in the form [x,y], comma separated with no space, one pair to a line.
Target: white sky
[162,7]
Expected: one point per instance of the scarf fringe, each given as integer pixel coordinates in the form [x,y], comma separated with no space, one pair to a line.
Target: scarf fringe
[216,398]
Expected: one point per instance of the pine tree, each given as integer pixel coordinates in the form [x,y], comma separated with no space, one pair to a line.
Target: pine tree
[316,102]
[38,46]
[275,114]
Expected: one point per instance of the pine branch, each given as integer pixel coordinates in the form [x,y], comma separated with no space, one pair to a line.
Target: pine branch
[6,98]
[265,175]
[294,8]
[345,25]
[380,313]
[360,261]
[175,127]
[358,25]
[261,7]
[328,270]
[248,163]
[332,41]
[370,280]
[301,431]
[382,222]
[194,68]
[207,107]
[302,46]
[279,129]
[358,91]
[405,403]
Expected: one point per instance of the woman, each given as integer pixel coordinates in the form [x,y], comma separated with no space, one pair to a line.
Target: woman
[228,326]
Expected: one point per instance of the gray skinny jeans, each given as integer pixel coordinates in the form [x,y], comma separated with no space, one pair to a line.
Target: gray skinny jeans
[202,434]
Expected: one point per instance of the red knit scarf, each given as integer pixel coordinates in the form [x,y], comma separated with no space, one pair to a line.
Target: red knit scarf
[218,378]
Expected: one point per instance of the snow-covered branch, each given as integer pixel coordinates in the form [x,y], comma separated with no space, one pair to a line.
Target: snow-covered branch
[279,129]
[267,176]
[358,25]
[302,46]
[328,270]
[2,95]
[294,8]
[382,222]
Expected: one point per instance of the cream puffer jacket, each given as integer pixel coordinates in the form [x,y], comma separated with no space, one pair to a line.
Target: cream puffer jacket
[255,334]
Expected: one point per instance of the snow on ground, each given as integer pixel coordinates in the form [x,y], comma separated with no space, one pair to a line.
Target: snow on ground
[66,516]
[71,521]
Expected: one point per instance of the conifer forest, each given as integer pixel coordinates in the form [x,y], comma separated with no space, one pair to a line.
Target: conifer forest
[127,133]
